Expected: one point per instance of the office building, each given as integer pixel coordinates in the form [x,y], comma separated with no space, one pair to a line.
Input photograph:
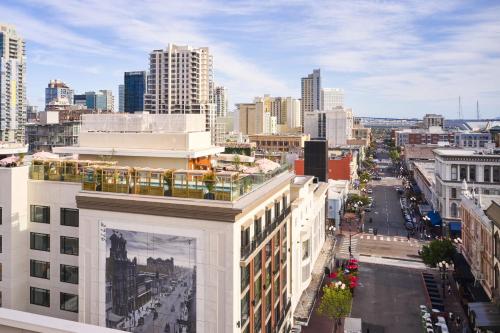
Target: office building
[480,169]
[334,125]
[478,237]
[221,101]
[135,88]
[12,85]
[332,98]
[58,91]
[80,100]
[102,100]
[279,143]
[433,120]
[310,93]
[117,232]
[269,115]
[256,117]
[430,136]
[473,140]
[293,115]
[316,159]
[121,97]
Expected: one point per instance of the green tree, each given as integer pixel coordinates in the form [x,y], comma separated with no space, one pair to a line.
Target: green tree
[394,155]
[436,251]
[335,303]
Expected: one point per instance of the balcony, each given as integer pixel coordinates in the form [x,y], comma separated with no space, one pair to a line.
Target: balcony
[259,239]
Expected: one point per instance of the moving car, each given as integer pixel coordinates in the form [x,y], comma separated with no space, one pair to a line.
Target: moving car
[369,191]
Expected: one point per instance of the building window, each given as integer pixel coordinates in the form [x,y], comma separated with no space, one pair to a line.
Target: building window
[305,249]
[257,227]
[245,308]
[39,241]
[69,217]
[245,277]
[487,173]
[40,269]
[257,262]
[463,172]
[258,289]
[245,237]
[0,215]
[268,217]
[69,245]
[39,296]
[472,173]
[454,210]
[39,214]
[1,244]
[69,274]
[454,172]
[496,174]
[69,302]
[453,193]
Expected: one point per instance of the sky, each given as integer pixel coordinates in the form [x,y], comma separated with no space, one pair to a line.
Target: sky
[392,58]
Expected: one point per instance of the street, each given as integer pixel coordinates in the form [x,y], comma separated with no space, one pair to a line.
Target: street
[388,299]
[172,308]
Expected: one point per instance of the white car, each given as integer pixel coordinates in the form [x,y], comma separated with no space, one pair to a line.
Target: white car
[369,191]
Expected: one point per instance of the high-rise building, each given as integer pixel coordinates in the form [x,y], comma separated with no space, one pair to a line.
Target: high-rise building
[135,88]
[293,114]
[102,100]
[311,93]
[12,85]
[332,98]
[334,125]
[58,91]
[121,97]
[221,101]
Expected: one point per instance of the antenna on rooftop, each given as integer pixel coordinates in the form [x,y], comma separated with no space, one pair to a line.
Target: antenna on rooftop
[477,110]
[459,107]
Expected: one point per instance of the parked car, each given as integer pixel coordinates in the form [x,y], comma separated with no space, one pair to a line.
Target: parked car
[369,191]
[368,209]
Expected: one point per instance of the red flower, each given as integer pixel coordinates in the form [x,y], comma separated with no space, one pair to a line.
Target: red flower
[332,275]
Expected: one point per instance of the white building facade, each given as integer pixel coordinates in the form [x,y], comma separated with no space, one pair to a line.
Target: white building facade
[480,169]
[332,98]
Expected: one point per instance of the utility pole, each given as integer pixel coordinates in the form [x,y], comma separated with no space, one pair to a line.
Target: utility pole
[460,108]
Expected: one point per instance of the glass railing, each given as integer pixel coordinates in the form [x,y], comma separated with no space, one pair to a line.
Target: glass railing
[104,176]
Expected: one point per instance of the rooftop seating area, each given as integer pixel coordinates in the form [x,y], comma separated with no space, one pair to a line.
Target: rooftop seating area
[106,176]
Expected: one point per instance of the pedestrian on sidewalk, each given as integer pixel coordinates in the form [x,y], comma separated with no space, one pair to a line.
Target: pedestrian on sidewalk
[449,289]
[408,236]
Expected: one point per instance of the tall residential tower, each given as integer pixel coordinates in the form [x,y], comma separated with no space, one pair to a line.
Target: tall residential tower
[180,81]
[311,93]
[12,85]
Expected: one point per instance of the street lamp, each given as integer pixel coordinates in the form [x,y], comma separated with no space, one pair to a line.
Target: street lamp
[443,267]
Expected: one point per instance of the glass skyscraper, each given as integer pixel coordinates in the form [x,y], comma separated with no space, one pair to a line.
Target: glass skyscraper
[135,87]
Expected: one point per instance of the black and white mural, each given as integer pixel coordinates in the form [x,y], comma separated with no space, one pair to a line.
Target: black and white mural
[150,282]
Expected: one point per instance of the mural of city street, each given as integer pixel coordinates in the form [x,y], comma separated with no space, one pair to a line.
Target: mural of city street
[150,282]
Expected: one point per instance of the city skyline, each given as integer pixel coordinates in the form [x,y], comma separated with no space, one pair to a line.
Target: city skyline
[397,58]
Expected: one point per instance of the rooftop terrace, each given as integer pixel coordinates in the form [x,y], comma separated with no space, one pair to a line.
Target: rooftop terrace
[106,176]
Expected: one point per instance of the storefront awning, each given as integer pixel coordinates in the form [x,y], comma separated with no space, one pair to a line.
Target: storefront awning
[455,226]
[435,218]
[485,316]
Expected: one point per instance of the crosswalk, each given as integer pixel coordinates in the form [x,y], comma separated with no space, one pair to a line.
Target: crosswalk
[344,247]
[411,242]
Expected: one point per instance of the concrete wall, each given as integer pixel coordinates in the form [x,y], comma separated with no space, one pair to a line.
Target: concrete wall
[13,257]
[56,195]
[165,141]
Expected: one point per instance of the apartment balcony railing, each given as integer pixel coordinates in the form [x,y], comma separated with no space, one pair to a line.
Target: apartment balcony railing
[249,248]
[284,313]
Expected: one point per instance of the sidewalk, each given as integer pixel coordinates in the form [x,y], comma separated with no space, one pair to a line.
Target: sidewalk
[453,304]
[310,297]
